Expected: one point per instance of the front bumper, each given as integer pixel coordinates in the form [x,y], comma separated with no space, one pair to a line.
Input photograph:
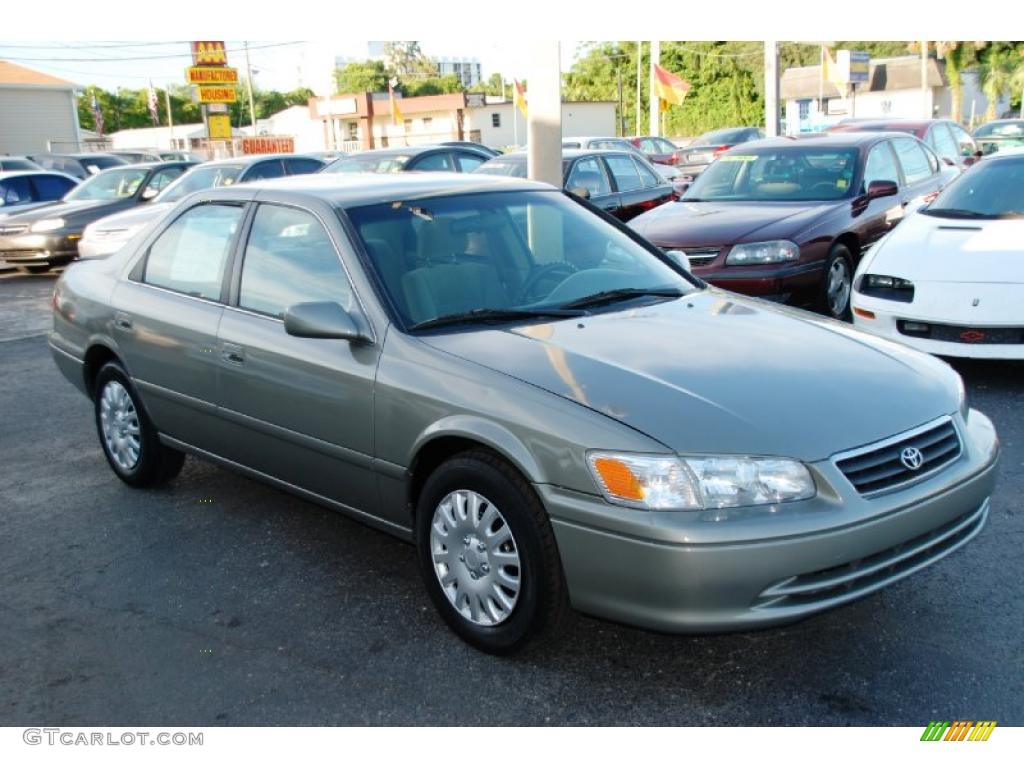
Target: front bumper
[888,315]
[45,248]
[686,572]
[773,282]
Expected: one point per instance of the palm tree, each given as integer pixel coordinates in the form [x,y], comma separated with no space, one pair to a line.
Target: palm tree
[998,62]
[958,55]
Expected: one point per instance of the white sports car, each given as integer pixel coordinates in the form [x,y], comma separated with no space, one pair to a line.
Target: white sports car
[950,279]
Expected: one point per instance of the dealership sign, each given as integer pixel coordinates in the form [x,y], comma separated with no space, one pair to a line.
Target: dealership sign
[211,75]
[209,52]
[217,94]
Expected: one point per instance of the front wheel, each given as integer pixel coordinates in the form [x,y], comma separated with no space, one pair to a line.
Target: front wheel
[487,554]
[128,438]
[838,283]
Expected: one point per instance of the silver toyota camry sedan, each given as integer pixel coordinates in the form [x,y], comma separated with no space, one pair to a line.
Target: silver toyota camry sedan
[553,411]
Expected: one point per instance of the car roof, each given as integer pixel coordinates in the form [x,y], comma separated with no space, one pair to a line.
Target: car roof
[568,153]
[393,151]
[353,190]
[248,160]
[34,172]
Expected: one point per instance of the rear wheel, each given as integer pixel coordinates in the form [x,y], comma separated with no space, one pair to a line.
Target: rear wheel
[838,283]
[128,438]
[35,269]
[487,554]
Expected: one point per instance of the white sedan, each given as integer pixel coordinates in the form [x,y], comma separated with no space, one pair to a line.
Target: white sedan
[950,279]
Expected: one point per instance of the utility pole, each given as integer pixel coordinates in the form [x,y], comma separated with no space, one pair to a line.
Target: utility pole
[622,117]
[655,60]
[544,115]
[771,88]
[639,79]
[252,106]
[926,107]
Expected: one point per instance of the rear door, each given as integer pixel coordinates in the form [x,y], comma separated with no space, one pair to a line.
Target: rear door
[167,315]
[639,188]
[876,217]
[589,173]
[296,409]
[922,169]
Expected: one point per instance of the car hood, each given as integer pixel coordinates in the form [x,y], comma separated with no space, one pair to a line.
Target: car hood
[75,211]
[685,224]
[931,249]
[133,218]
[718,373]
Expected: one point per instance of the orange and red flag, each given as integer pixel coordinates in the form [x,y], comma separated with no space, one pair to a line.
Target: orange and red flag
[671,89]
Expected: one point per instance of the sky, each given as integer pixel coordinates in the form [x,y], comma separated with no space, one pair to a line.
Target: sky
[277,64]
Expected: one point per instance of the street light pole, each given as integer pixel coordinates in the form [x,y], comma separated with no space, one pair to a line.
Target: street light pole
[622,117]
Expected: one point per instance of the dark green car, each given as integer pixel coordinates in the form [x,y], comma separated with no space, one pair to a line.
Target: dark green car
[553,411]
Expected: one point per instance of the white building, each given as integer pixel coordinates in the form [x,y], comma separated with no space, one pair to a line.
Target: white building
[467,70]
[893,89]
[38,112]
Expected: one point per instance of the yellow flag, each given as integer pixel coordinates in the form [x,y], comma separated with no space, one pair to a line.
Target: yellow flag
[830,70]
[519,97]
[396,112]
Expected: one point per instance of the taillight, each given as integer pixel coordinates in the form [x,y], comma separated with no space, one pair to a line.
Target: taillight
[720,150]
[675,158]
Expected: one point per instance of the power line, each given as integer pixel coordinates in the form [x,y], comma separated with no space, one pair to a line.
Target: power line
[109,59]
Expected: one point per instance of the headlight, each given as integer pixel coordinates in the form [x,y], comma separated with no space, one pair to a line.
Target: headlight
[698,482]
[47,225]
[770,252]
[886,287]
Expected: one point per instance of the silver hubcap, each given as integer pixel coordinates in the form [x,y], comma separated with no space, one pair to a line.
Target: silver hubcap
[838,287]
[120,424]
[475,557]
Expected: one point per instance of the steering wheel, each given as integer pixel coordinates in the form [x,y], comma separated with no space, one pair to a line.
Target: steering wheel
[555,272]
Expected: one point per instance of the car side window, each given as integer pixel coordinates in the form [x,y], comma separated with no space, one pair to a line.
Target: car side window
[649,146]
[881,165]
[914,160]
[271,169]
[468,162]
[624,171]
[301,165]
[190,255]
[648,177]
[17,190]
[51,187]
[943,142]
[290,259]
[438,161]
[589,175]
[963,139]
[161,179]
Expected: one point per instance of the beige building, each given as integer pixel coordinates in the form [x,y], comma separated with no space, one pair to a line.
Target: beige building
[38,113]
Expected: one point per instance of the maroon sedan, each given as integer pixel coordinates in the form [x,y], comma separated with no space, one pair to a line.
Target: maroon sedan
[947,137]
[788,219]
[657,149]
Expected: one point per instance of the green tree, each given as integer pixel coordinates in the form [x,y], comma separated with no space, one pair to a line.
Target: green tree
[996,70]
[361,77]
[958,55]
[406,58]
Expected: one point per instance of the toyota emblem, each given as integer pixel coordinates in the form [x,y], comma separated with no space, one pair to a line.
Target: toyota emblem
[912,458]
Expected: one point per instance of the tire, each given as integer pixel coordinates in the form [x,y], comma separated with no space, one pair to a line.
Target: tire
[35,269]
[513,538]
[837,283]
[127,436]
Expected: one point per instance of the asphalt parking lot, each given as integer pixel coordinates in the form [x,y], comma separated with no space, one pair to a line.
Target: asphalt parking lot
[220,601]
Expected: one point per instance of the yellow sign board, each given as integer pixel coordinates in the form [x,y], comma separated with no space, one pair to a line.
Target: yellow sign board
[220,126]
[209,52]
[211,75]
[217,94]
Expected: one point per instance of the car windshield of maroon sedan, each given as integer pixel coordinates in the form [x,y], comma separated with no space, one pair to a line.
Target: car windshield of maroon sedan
[789,173]
[109,185]
[506,256]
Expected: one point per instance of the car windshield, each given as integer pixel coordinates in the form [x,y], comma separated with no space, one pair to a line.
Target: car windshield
[97,163]
[502,167]
[1014,129]
[502,255]
[722,136]
[200,178]
[109,185]
[789,173]
[368,164]
[994,189]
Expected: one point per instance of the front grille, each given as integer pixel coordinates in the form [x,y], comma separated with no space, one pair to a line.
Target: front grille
[13,229]
[700,257]
[961,334]
[880,468]
[866,574]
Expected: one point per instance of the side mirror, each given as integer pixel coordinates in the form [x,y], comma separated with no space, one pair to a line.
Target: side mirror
[321,320]
[149,193]
[581,192]
[681,187]
[947,161]
[680,258]
[882,188]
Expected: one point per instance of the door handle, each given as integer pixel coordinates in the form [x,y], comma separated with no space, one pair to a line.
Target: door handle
[232,353]
[122,321]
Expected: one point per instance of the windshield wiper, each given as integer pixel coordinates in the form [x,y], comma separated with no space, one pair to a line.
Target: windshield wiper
[619,294]
[955,213]
[493,316]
